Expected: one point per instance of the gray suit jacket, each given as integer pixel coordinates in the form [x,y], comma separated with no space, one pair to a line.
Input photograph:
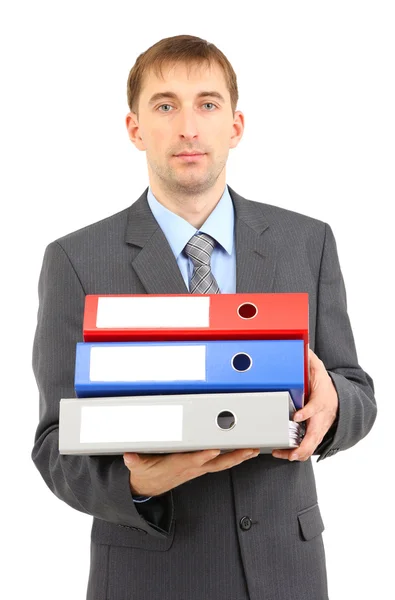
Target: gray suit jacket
[252,532]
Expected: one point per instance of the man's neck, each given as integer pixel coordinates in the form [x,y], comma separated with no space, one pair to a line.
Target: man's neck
[194,209]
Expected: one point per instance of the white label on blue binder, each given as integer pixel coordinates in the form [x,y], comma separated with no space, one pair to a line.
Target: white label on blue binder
[153,312]
[148,423]
[148,363]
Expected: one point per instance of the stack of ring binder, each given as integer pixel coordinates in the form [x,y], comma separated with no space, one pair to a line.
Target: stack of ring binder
[178,373]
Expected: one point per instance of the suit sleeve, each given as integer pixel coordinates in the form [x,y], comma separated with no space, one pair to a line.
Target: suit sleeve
[334,345]
[96,485]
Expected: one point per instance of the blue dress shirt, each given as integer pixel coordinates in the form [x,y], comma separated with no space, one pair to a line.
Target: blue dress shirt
[220,226]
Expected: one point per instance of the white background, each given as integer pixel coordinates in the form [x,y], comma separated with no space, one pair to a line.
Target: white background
[316,84]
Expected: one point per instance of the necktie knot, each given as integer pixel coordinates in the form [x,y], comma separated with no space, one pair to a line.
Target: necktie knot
[199,249]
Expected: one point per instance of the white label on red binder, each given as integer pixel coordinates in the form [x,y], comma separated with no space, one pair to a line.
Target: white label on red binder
[148,423]
[148,363]
[152,312]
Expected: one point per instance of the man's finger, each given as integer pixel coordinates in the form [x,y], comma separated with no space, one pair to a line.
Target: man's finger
[131,458]
[311,408]
[313,437]
[309,443]
[284,454]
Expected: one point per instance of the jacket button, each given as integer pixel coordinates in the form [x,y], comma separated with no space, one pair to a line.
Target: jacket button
[245,523]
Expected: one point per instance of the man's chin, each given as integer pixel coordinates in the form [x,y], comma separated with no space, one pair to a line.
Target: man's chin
[190,179]
[190,187]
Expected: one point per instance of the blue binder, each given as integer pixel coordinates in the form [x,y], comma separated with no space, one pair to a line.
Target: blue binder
[141,368]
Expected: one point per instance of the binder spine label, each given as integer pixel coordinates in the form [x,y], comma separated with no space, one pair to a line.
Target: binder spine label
[148,363]
[150,423]
[153,312]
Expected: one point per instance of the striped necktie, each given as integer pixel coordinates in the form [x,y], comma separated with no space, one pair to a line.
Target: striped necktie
[199,249]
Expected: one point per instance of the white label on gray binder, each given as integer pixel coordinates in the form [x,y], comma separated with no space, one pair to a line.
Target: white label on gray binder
[148,363]
[148,423]
[153,312]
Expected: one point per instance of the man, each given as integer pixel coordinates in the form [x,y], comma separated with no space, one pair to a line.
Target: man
[199,526]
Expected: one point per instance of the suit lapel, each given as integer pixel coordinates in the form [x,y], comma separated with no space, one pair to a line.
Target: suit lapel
[155,264]
[255,248]
[157,268]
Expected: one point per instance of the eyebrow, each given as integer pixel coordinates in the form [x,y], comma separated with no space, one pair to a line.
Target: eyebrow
[162,95]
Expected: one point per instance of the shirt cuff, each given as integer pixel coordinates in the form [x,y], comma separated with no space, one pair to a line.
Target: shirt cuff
[141,498]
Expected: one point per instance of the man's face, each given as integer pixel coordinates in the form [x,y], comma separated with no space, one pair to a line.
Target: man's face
[186,112]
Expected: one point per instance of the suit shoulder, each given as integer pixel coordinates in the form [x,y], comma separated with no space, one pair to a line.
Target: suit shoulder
[103,228]
[284,218]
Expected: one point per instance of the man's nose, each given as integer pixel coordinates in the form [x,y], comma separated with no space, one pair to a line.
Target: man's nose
[188,126]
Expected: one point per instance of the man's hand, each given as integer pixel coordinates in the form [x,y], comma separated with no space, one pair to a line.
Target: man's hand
[319,412]
[155,474]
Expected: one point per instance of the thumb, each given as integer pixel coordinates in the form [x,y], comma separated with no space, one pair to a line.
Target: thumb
[314,360]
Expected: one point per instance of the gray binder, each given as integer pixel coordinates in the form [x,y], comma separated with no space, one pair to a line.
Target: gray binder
[178,423]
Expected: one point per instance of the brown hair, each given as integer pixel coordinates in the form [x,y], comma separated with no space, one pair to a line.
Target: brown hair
[186,49]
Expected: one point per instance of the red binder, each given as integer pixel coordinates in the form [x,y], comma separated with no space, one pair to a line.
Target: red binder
[155,317]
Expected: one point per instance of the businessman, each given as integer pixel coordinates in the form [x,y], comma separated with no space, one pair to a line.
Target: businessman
[199,525]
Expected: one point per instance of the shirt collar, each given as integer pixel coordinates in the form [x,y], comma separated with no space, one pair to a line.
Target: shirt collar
[219,224]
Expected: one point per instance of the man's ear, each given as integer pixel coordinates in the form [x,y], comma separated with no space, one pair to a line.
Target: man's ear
[238,129]
[133,129]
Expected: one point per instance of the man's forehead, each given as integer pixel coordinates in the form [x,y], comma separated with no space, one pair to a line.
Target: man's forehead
[157,81]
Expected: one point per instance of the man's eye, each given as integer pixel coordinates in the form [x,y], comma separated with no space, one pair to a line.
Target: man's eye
[205,104]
